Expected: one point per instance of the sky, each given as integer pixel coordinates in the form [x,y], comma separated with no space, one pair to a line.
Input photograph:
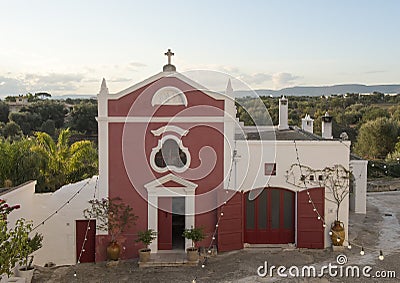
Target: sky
[67,47]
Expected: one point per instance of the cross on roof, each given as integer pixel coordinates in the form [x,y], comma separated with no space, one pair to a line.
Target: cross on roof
[169,54]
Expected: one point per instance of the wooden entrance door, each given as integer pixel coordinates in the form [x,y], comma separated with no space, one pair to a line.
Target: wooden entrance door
[269,218]
[82,231]
[164,233]
[310,229]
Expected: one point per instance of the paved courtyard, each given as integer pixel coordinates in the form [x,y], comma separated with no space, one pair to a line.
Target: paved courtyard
[378,230]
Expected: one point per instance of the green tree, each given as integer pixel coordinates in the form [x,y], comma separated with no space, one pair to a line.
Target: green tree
[12,131]
[49,127]
[377,138]
[62,163]
[4,111]
[83,118]
[18,163]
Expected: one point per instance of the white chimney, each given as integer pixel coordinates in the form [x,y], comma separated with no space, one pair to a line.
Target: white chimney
[327,126]
[283,114]
[307,124]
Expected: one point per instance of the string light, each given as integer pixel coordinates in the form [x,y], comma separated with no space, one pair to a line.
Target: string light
[362,252]
[381,257]
[349,246]
[61,207]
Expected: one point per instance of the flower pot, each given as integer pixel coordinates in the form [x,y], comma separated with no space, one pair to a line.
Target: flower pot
[144,255]
[113,251]
[27,274]
[338,233]
[192,254]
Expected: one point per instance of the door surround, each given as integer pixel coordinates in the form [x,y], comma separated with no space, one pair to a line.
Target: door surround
[156,189]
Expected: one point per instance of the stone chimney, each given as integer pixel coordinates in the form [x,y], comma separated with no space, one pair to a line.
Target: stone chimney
[307,124]
[283,114]
[327,126]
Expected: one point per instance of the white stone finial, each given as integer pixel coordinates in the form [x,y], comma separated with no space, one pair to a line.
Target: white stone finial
[229,88]
[103,88]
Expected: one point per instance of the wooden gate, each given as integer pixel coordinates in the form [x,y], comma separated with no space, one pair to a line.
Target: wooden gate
[230,228]
[310,230]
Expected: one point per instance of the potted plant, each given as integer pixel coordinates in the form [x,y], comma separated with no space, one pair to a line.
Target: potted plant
[336,180]
[28,246]
[9,239]
[195,235]
[146,237]
[114,217]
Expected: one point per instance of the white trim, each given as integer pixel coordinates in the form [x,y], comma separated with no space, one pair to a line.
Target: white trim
[155,184]
[156,190]
[169,167]
[193,84]
[180,119]
[172,96]
[169,128]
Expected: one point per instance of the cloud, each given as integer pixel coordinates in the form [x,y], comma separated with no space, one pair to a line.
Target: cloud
[137,65]
[30,82]
[53,81]
[280,80]
[255,79]
[375,72]
[11,86]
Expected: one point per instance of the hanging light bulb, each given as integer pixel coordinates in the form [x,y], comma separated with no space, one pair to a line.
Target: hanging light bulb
[309,201]
[314,209]
[338,239]
[330,233]
[222,214]
[319,217]
[74,273]
[349,246]
[216,225]
[324,225]
[362,251]
[203,265]
[381,257]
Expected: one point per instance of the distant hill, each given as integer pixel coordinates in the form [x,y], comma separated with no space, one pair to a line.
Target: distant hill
[324,90]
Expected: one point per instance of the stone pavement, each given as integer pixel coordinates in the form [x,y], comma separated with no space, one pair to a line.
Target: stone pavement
[378,230]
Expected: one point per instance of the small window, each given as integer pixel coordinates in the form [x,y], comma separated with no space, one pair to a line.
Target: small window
[302,178]
[270,169]
[311,177]
[170,155]
[320,178]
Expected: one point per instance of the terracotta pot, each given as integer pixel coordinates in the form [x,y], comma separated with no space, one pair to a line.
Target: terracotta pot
[144,255]
[338,233]
[113,251]
[192,254]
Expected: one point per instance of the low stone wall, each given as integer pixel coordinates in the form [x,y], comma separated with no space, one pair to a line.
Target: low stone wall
[383,185]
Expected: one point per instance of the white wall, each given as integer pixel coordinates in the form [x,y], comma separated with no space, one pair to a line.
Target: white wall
[358,198]
[59,243]
[315,154]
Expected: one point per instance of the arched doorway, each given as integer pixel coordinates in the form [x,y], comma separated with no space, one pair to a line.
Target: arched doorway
[270,216]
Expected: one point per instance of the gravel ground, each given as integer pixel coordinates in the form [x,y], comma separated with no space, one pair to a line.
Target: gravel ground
[376,230]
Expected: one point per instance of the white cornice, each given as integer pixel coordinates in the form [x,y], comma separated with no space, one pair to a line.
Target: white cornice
[195,85]
[187,185]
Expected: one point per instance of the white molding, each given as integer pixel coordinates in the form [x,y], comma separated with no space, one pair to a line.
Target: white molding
[155,190]
[155,184]
[169,128]
[180,119]
[169,95]
[193,84]
[169,167]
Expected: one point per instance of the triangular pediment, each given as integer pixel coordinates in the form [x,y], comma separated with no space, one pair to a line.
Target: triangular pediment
[161,75]
[170,181]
